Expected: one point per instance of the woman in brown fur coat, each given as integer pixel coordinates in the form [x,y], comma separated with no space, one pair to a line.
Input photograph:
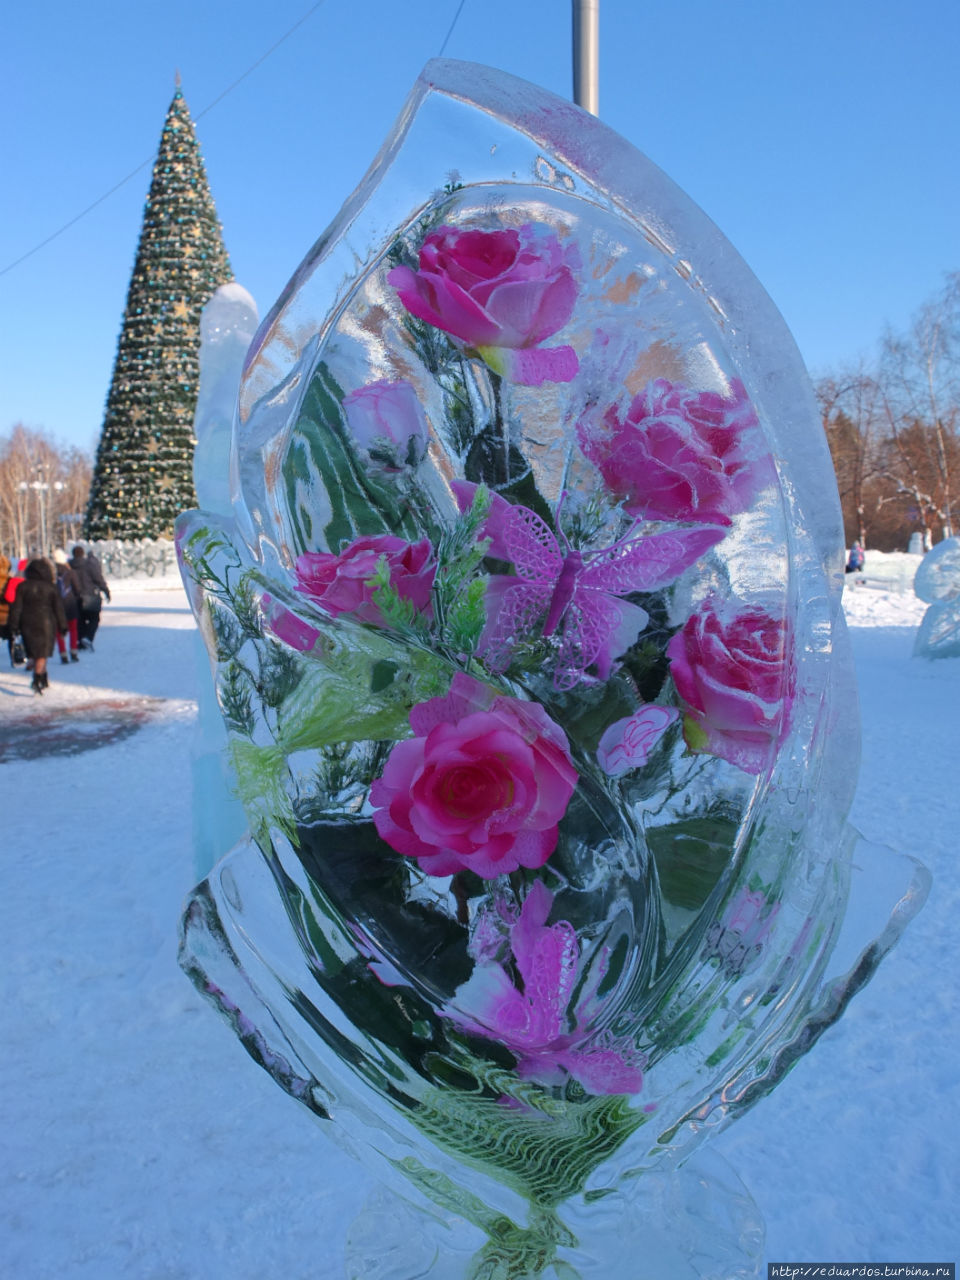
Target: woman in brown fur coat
[37,614]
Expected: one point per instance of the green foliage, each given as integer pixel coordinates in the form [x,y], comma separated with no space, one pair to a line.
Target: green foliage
[280,673]
[341,781]
[399,613]
[466,617]
[438,353]
[246,606]
[691,856]
[334,701]
[647,661]
[322,460]
[212,562]
[545,1149]
[458,593]
[262,778]
[234,690]
[227,633]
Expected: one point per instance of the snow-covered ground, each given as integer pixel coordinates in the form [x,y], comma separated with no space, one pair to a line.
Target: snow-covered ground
[140,1141]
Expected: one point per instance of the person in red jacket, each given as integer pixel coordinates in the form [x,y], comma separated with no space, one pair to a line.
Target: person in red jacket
[68,584]
[8,589]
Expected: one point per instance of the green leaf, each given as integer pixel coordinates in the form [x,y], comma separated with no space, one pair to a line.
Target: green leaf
[399,613]
[262,778]
[322,457]
[691,856]
[466,617]
[234,692]
[336,702]
[382,675]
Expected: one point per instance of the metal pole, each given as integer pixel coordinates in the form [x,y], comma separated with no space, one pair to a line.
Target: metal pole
[41,490]
[586,55]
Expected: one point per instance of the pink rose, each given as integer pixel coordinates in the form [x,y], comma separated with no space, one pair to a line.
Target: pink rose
[286,626]
[481,787]
[734,675]
[532,1020]
[342,583]
[388,416]
[680,454]
[500,293]
[627,744]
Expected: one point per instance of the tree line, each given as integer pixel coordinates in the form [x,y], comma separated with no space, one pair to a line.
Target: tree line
[44,489]
[893,426]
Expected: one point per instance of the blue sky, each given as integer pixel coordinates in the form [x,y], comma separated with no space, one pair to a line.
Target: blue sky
[820,136]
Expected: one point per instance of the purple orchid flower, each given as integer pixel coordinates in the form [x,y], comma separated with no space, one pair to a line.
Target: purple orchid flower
[532,1020]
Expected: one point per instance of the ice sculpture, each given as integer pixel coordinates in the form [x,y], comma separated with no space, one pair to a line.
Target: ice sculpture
[937,581]
[528,639]
[227,326]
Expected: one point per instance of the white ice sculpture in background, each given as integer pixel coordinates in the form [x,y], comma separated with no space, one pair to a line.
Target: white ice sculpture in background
[227,326]
[938,582]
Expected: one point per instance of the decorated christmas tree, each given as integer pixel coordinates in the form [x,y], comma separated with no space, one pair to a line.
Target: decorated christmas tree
[143,474]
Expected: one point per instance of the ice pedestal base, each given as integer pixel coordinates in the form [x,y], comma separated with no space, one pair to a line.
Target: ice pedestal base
[697,1222]
[245,935]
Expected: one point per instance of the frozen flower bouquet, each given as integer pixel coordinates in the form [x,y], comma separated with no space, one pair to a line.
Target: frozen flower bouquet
[526,633]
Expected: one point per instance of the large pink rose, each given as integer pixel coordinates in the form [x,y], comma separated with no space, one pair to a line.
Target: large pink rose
[387,416]
[481,787]
[342,583]
[734,674]
[679,454]
[500,293]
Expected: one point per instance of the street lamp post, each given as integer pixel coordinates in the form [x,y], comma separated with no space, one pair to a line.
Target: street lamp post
[41,487]
[586,55]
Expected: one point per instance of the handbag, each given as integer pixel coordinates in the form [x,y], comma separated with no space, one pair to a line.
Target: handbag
[90,603]
[17,655]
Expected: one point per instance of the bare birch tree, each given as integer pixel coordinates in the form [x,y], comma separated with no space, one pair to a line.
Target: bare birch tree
[849,406]
[920,381]
[43,492]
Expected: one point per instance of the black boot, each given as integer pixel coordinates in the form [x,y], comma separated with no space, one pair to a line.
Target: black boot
[64,659]
[74,656]
[37,684]
[45,680]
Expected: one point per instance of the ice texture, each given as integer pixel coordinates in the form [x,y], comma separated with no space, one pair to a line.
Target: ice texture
[227,325]
[938,582]
[523,371]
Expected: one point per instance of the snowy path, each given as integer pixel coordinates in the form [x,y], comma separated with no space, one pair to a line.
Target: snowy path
[140,1141]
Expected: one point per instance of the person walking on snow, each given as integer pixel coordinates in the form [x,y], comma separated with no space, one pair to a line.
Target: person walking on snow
[8,589]
[92,585]
[37,615]
[68,584]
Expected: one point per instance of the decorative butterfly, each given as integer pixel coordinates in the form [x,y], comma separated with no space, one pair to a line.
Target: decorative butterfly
[569,593]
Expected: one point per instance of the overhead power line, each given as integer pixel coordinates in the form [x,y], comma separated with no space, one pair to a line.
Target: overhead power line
[143,164]
[446,38]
